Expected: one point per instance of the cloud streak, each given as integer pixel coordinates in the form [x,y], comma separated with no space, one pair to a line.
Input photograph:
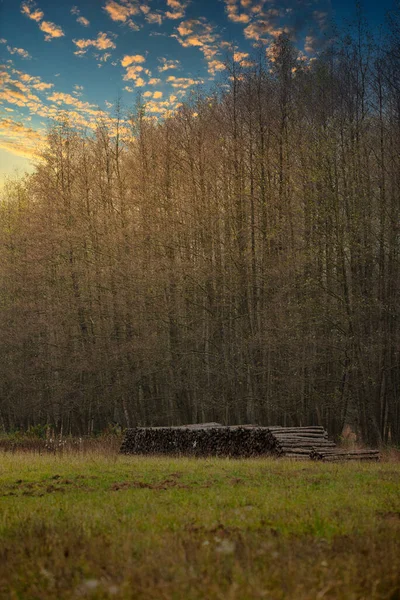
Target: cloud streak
[102,42]
[19,139]
[51,30]
[18,51]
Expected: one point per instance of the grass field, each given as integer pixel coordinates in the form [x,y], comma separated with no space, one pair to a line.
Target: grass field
[97,526]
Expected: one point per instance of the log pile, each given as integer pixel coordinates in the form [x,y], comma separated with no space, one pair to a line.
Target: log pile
[210,440]
[298,442]
[213,439]
[235,441]
[336,455]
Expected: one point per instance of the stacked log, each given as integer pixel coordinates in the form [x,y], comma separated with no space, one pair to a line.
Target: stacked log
[212,439]
[297,442]
[216,440]
[336,455]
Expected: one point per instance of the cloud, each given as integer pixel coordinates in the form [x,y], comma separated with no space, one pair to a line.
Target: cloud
[19,51]
[215,65]
[122,12]
[19,88]
[77,13]
[265,21]
[29,9]
[33,81]
[135,58]
[240,56]
[262,28]
[62,98]
[102,58]
[161,108]
[177,7]
[157,95]
[83,21]
[134,70]
[321,17]
[154,18]
[102,42]
[51,30]
[199,33]
[42,86]
[20,139]
[133,73]
[23,90]
[82,113]
[232,10]
[167,65]
[183,82]
[154,81]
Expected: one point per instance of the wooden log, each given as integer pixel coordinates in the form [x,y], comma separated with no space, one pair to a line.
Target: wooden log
[329,455]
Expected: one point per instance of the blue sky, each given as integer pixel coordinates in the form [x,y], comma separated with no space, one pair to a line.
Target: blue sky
[79,56]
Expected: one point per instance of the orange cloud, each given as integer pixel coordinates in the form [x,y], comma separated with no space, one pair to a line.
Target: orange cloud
[182,82]
[20,139]
[178,8]
[51,30]
[155,18]
[29,9]
[198,33]
[82,20]
[240,56]
[259,29]
[19,51]
[232,10]
[133,73]
[128,60]
[215,65]
[42,86]
[102,42]
[62,98]
[167,65]
[122,12]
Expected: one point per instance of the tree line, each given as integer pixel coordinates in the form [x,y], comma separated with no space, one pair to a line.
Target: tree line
[237,261]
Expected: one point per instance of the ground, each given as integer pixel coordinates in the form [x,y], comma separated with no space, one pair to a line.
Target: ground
[97,526]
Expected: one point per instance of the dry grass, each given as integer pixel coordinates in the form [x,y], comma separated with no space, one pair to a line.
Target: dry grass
[104,526]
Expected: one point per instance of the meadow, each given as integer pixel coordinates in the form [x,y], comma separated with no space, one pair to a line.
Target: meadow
[100,526]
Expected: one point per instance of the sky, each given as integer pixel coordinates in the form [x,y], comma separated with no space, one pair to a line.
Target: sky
[81,55]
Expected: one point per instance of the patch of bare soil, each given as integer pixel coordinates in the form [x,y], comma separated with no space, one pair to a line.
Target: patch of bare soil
[54,484]
[162,485]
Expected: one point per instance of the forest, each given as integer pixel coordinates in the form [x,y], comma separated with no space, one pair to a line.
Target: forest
[237,261]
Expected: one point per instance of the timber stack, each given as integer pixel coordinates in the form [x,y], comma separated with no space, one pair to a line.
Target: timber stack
[298,442]
[213,439]
[336,455]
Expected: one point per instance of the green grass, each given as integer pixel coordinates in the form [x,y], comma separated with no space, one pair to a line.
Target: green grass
[99,526]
